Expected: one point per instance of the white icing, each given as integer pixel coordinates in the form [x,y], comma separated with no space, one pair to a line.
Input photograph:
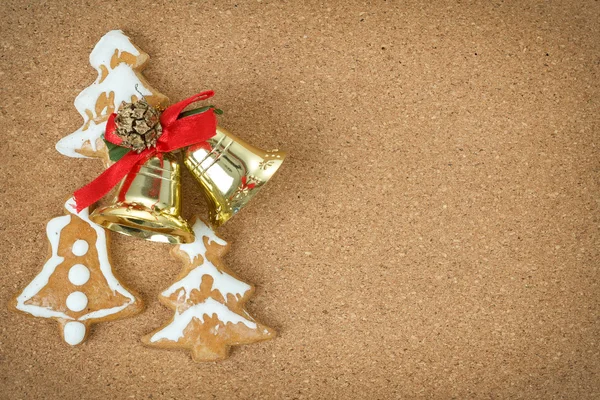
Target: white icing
[67,145]
[105,266]
[223,282]
[79,274]
[77,301]
[53,230]
[210,307]
[80,247]
[121,81]
[104,312]
[197,247]
[74,332]
[105,48]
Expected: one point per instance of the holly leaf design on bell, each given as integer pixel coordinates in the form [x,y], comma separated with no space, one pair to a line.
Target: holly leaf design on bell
[138,125]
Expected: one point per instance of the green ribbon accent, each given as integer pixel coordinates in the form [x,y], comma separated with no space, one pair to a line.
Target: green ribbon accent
[115,153]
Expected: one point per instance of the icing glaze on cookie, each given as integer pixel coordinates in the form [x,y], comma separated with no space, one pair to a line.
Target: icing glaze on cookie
[77,301]
[80,247]
[69,144]
[223,282]
[118,63]
[105,266]
[79,274]
[197,247]
[106,46]
[210,307]
[74,332]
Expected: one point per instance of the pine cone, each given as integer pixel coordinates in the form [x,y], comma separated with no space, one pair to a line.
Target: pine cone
[138,124]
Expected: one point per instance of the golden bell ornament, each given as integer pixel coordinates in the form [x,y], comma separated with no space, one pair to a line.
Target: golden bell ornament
[149,207]
[231,172]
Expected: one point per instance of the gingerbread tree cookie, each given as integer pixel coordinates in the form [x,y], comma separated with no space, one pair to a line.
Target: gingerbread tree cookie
[208,301]
[76,286]
[119,64]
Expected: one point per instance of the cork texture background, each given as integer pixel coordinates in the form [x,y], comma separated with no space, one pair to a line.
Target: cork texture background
[434,232]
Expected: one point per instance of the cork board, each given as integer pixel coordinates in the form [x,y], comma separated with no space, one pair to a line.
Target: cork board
[433,233]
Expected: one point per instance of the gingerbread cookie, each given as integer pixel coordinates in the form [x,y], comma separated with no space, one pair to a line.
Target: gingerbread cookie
[119,64]
[76,286]
[208,301]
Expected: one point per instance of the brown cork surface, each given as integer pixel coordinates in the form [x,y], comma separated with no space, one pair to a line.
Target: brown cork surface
[433,233]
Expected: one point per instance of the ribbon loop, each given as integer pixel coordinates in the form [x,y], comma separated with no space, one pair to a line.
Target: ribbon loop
[111,127]
[170,115]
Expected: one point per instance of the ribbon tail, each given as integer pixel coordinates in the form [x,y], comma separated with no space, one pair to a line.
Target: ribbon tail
[95,190]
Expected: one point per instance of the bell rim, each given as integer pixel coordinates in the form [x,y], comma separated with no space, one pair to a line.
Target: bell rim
[112,218]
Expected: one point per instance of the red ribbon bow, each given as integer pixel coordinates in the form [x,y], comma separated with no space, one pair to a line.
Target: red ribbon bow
[176,134]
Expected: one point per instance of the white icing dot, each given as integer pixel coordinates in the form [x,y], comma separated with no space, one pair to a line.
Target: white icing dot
[74,332]
[79,274]
[80,247]
[77,301]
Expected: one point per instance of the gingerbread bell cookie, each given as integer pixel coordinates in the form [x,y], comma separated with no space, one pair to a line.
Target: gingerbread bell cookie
[208,301]
[76,286]
[119,64]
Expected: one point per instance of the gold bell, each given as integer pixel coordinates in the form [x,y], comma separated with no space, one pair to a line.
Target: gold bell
[149,208]
[231,172]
